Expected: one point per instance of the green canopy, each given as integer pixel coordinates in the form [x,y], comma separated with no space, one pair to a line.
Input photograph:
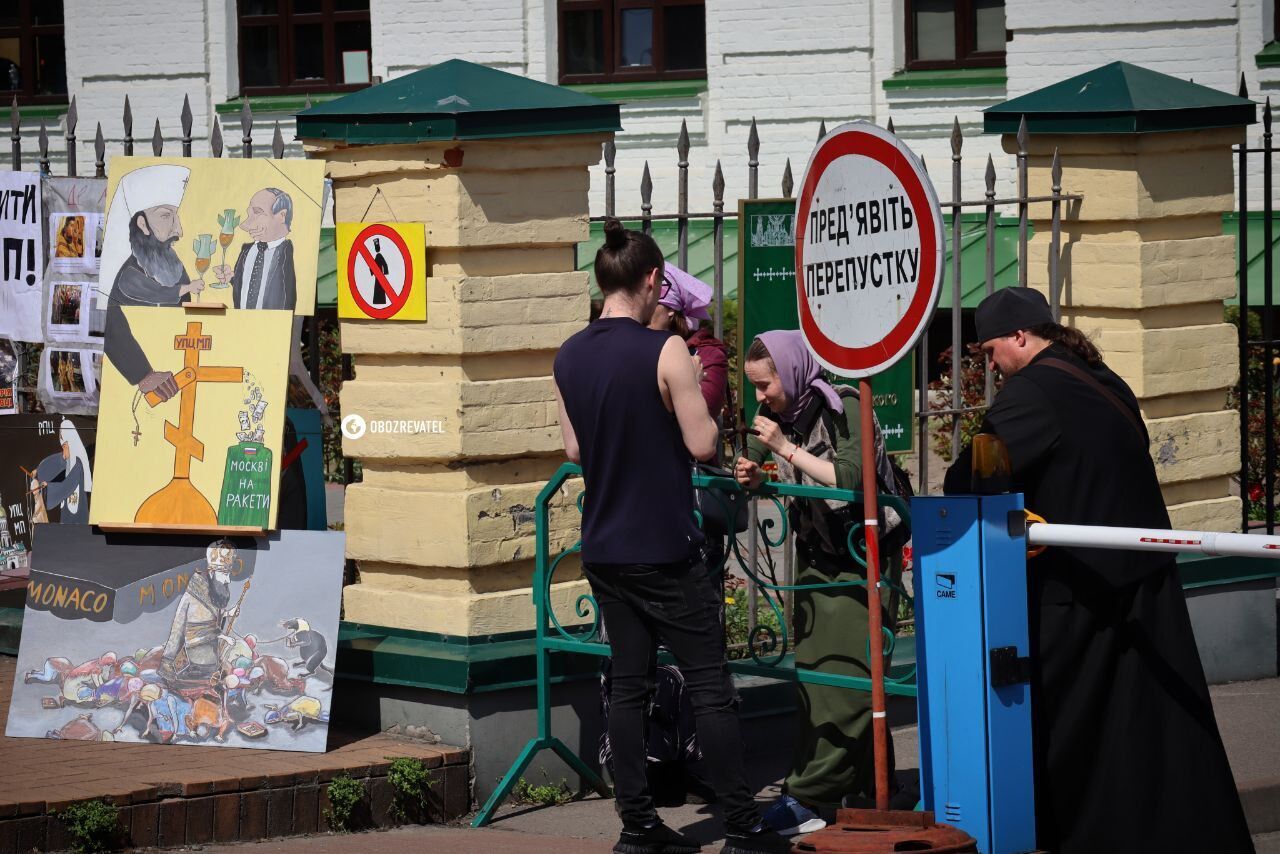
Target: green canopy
[327,271]
[1120,98]
[1256,247]
[666,233]
[973,257]
[456,100]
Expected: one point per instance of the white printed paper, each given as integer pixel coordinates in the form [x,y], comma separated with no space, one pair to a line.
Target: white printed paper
[20,258]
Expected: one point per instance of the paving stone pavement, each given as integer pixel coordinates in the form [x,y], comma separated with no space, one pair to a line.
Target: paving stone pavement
[46,773]
[1246,711]
[179,792]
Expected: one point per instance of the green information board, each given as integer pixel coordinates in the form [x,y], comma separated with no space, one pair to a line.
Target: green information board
[767,300]
[893,392]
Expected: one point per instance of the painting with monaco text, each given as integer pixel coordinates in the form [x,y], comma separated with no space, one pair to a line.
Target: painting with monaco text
[170,639]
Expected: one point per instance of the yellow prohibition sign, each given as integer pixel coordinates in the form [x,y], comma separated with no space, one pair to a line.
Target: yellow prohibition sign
[382,270]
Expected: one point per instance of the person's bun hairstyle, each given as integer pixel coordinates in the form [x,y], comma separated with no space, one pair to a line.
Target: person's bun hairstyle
[615,235]
[625,259]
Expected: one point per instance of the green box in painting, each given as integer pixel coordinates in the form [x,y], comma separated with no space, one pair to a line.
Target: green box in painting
[246,486]
[767,300]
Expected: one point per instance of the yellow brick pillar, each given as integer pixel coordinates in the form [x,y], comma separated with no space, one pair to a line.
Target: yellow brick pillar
[442,524]
[1145,265]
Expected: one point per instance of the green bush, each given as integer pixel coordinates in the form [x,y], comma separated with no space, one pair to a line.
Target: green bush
[410,780]
[544,795]
[345,794]
[973,392]
[93,825]
[737,620]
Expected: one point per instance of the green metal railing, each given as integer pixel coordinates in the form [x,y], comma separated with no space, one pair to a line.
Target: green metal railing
[767,647]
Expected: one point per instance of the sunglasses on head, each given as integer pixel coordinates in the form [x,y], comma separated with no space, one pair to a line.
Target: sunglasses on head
[666,288]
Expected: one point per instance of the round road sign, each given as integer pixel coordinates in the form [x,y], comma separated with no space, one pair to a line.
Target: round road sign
[380,271]
[869,250]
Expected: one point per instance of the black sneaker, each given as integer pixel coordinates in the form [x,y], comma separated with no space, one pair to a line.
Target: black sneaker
[758,839]
[655,839]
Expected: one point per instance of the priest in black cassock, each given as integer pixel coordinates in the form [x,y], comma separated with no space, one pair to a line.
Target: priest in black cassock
[1127,751]
[144,218]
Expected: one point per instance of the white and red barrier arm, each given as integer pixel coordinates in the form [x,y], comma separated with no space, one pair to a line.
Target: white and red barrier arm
[1152,540]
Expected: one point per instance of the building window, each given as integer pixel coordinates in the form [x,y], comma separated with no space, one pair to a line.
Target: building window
[613,41]
[295,46]
[33,52]
[955,34]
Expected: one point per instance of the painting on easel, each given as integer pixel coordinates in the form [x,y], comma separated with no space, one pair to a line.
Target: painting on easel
[179,639]
[198,451]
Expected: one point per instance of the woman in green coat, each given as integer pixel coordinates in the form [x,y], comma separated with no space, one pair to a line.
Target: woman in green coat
[813,431]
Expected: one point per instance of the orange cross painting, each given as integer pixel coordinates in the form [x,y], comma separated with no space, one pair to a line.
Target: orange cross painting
[197,453]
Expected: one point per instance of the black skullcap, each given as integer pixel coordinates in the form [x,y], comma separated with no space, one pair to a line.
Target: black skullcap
[1010,309]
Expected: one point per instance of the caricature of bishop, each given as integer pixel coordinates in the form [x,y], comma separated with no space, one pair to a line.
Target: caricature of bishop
[139,259]
[191,651]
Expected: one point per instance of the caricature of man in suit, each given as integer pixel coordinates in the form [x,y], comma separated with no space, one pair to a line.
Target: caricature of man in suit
[263,275]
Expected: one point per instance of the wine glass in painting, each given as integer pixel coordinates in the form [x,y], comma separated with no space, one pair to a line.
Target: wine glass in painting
[228,220]
[203,247]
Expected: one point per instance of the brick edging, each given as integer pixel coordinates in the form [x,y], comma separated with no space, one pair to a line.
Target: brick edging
[241,810]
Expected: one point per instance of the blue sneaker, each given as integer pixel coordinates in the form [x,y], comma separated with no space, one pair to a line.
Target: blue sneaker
[789,817]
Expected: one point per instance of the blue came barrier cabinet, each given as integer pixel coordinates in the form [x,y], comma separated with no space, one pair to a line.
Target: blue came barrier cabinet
[972,655]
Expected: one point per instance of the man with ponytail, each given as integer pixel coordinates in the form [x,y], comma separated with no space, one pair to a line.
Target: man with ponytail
[632,413]
[1126,747]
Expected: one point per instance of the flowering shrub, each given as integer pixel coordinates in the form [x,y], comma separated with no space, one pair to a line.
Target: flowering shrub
[1255,378]
[973,385]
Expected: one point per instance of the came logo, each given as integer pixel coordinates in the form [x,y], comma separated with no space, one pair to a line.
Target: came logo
[946,585]
[353,426]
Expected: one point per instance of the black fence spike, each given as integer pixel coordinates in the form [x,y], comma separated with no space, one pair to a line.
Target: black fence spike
[99,154]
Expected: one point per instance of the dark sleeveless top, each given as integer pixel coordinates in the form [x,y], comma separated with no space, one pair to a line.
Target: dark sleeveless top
[639,497]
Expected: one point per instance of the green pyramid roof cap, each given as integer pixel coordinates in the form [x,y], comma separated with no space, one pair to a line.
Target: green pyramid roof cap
[456,100]
[1120,98]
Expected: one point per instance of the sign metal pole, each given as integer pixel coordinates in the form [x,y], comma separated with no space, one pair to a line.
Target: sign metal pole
[868,272]
[871,511]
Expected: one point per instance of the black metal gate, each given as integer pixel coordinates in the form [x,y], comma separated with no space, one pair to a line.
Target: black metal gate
[1255,394]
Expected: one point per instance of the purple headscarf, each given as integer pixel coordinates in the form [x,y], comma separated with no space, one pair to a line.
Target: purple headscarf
[687,294]
[799,372]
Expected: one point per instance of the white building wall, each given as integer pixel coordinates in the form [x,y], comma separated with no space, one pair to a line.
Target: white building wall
[410,34]
[1183,38]
[155,54]
[1253,32]
[1209,41]
[789,68]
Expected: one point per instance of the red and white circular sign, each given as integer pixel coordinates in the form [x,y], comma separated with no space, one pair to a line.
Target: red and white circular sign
[869,250]
[380,276]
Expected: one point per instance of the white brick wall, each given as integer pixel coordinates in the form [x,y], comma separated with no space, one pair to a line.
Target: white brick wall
[156,53]
[789,66]
[410,34]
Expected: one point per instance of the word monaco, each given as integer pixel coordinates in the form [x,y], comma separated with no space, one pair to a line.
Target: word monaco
[855,272]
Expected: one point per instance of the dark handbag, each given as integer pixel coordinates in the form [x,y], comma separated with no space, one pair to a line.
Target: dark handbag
[723,513]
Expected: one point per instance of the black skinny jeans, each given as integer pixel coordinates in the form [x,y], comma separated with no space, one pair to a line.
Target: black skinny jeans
[678,605]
